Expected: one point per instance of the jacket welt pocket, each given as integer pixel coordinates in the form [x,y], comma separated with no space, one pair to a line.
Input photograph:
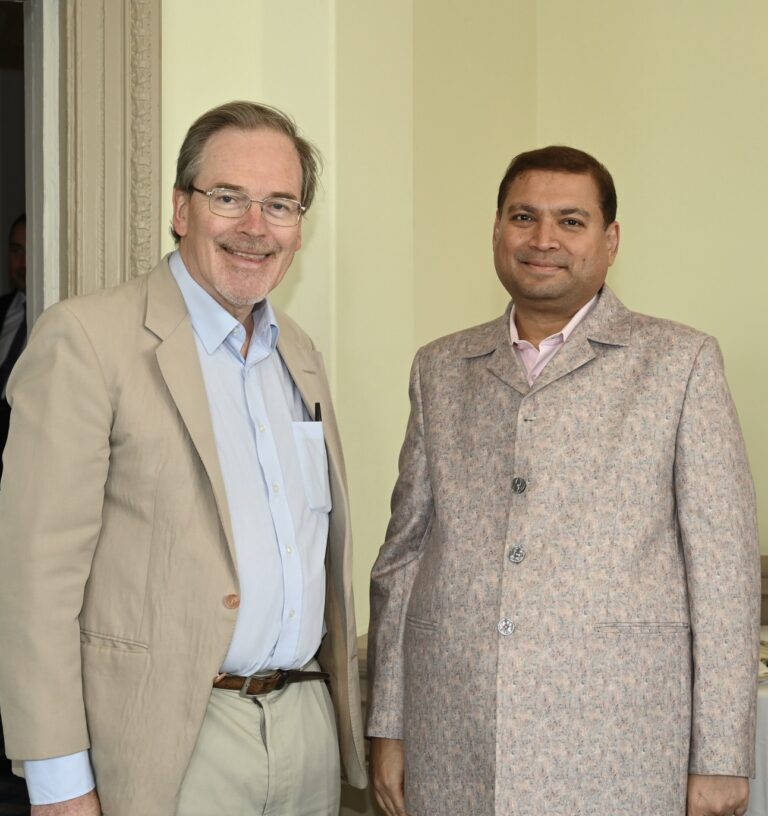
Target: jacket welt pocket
[111,642]
[421,623]
[641,628]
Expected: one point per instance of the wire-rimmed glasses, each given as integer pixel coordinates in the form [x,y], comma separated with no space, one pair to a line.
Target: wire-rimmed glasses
[282,212]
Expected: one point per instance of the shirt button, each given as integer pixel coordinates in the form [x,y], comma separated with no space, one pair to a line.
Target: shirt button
[291,613]
[519,485]
[289,550]
[275,487]
[516,555]
[231,601]
[262,428]
[506,627]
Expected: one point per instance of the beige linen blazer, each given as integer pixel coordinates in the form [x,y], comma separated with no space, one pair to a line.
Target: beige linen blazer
[117,549]
[564,615]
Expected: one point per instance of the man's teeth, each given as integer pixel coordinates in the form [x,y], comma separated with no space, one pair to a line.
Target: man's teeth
[249,255]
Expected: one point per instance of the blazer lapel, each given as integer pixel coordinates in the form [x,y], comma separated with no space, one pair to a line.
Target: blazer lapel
[492,341]
[177,356]
[575,353]
[609,323]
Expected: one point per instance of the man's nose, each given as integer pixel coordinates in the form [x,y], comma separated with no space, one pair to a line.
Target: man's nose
[544,236]
[252,220]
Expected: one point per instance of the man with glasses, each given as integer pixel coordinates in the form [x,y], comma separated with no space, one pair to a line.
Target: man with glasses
[176,615]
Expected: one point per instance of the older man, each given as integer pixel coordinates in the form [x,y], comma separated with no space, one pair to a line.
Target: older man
[565,610]
[175,599]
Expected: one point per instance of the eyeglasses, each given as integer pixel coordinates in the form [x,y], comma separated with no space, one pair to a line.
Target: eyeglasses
[282,212]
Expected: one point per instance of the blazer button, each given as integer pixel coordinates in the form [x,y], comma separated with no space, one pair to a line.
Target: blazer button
[506,627]
[519,485]
[231,601]
[516,555]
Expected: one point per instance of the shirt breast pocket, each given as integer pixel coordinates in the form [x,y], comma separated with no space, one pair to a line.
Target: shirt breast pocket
[313,461]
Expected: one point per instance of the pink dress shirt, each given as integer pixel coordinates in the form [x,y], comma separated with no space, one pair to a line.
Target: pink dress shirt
[535,359]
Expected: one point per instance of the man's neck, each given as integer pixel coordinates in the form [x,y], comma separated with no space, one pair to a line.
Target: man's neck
[535,324]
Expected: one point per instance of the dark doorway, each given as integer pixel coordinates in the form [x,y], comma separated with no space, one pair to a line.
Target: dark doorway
[13,791]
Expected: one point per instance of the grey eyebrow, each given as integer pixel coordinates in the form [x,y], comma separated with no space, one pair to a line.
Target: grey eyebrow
[236,188]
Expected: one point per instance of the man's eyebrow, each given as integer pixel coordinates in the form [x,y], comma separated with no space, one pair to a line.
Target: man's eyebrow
[516,205]
[521,205]
[237,188]
[575,211]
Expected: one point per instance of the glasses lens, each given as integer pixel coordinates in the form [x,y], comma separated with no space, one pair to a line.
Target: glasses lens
[281,210]
[228,203]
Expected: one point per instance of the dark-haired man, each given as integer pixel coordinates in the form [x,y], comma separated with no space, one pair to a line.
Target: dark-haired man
[176,616]
[564,614]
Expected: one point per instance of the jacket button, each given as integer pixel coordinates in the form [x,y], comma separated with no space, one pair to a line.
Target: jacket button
[519,485]
[506,627]
[231,601]
[516,555]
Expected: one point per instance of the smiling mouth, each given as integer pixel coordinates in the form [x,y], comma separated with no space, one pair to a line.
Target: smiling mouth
[248,255]
[256,257]
[538,266]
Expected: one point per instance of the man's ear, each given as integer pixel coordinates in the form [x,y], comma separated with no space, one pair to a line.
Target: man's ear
[612,234]
[180,211]
[496,227]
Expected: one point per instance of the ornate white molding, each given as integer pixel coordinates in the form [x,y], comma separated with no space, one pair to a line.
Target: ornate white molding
[145,91]
[111,118]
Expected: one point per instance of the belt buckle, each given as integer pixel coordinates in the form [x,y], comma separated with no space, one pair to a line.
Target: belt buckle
[281,680]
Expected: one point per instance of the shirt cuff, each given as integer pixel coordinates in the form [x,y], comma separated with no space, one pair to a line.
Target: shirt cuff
[58,779]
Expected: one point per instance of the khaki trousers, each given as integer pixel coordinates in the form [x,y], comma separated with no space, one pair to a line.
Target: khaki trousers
[278,756]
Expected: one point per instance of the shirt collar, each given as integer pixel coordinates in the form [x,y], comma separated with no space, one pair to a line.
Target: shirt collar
[212,323]
[563,334]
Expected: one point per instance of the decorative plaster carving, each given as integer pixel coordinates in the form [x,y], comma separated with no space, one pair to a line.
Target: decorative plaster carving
[111,56]
[145,135]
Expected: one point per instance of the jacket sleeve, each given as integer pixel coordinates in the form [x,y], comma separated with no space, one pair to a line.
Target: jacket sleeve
[717,517]
[394,572]
[56,462]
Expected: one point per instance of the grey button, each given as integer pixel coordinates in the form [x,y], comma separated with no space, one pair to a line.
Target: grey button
[516,555]
[519,485]
[506,627]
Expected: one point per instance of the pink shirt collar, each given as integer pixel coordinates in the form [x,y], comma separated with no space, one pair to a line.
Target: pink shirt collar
[533,359]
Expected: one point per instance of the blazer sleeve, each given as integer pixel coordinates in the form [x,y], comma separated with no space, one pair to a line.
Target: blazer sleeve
[394,572]
[56,463]
[717,517]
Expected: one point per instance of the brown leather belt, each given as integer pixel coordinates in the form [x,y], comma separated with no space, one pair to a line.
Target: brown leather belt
[256,685]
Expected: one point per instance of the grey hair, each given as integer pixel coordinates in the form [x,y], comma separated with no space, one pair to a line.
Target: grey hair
[245,116]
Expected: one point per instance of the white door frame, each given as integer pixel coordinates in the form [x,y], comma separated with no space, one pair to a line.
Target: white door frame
[92,119]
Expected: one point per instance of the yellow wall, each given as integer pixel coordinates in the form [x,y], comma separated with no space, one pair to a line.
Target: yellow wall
[418,107]
[670,97]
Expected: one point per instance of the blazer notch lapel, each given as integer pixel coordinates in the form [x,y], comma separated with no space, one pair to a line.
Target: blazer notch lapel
[576,352]
[167,318]
[492,341]
[503,363]
[609,324]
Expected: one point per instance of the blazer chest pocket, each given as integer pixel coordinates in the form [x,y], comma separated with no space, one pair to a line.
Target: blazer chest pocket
[313,461]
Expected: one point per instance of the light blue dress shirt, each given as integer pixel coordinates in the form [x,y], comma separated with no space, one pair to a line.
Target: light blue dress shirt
[273,462]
